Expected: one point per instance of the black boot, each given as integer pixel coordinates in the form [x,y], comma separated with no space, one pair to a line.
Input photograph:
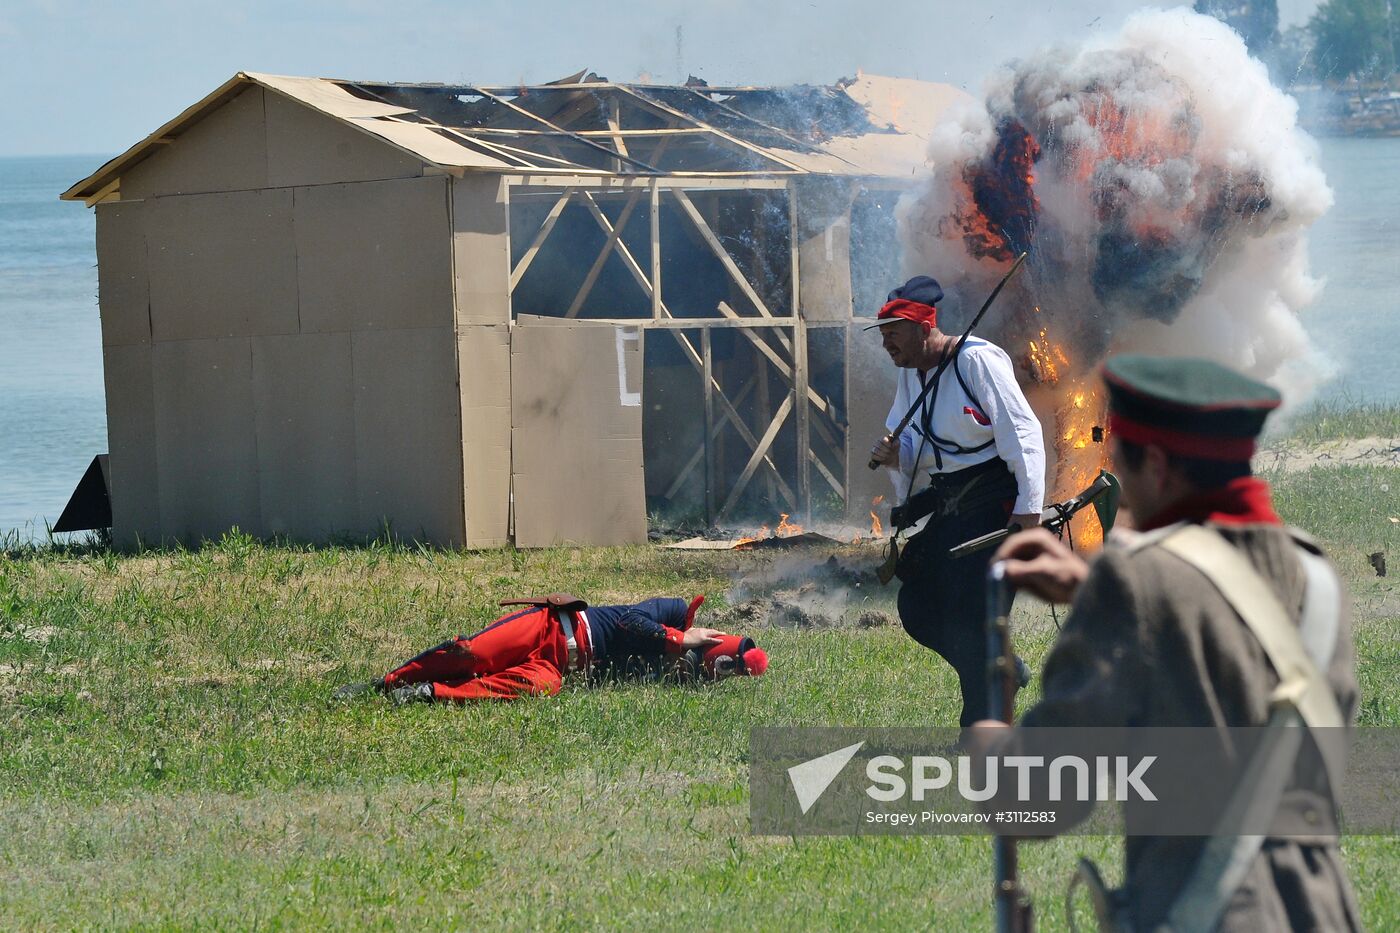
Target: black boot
[1023,673]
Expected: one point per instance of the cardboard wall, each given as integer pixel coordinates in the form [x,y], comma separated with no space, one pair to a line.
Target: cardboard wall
[577,437]
[483,357]
[224,151]
[374,255]
[306,147]
[123,282]
[206,447]
[870,385]
[131,445]
[481,249]
[408,423]
[305,424]
[222,265]
[824,248]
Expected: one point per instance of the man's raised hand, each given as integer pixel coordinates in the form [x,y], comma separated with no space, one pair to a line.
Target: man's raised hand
[885,453]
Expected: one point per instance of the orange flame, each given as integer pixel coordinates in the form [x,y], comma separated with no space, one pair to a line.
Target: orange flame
[763,532]
[786,529]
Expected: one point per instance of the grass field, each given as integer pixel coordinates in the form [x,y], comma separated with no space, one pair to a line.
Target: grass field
[168,757]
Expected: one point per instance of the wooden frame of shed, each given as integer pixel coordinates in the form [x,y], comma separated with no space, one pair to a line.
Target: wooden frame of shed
[331,306]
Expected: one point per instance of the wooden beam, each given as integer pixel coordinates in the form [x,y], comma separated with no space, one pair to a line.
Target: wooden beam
[527,157]
[601,178]
[727,137]
[711,472]
[509,153]
[720,252]
[794,250]
[583,139]
[764,407]
[599,134]
[804,435]
[109,190]
[826,474]
[760,452]
[608,245]
[615,125]
[655,210]
[550,220]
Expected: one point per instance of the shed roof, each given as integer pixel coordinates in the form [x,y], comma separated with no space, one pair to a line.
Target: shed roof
[584,124]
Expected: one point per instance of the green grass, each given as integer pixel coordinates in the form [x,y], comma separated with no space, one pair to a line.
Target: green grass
[168,758]
[1334,421]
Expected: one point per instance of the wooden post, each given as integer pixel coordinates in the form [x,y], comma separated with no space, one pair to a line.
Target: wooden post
[761,369]
[804,437]
[764,443]
[656,255]
[794,248]
[711,474]
[800,382]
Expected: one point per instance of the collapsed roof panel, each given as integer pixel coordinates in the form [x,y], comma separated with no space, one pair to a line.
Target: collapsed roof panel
[868,127]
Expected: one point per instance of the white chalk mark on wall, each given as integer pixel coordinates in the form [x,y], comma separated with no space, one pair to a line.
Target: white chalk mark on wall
[624,398]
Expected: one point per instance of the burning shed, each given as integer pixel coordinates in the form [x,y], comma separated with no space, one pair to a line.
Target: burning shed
[478,315]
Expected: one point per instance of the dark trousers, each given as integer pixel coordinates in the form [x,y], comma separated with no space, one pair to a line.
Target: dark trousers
[942,601]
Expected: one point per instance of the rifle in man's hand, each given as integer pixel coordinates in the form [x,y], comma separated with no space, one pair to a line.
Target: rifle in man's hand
[1103,491]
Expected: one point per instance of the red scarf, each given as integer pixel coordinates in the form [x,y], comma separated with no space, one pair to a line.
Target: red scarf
[1242,501]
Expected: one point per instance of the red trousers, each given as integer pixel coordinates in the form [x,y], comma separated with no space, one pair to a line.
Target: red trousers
[522,654]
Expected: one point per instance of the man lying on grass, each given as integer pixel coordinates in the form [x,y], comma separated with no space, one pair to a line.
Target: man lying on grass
[528,653]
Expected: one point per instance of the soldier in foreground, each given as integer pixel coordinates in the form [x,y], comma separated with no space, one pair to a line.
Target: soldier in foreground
[1158,635]
[530,651]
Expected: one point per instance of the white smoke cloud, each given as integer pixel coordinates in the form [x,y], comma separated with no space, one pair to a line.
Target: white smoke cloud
[1171,200]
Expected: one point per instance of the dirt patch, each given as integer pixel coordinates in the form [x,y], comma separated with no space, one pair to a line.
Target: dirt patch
[1293,457]
[834,590]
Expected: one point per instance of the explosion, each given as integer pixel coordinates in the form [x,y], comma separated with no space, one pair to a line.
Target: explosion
[1163,190]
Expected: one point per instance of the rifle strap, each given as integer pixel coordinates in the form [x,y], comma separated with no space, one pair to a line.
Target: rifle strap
[1303,698]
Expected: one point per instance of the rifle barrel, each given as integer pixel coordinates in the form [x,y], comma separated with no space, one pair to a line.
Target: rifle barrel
[1013,909]
[1059,513]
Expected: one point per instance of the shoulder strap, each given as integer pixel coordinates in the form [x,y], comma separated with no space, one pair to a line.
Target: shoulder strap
[1301,682]
[1303,698]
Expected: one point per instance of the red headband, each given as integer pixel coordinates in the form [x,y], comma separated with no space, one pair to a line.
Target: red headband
[910,311]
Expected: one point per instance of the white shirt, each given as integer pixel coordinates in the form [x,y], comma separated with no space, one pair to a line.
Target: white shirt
[958,419]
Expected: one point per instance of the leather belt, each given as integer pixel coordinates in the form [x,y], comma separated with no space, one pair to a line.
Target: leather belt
[578,637]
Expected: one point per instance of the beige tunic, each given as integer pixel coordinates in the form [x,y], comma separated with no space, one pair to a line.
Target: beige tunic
[1149,642]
